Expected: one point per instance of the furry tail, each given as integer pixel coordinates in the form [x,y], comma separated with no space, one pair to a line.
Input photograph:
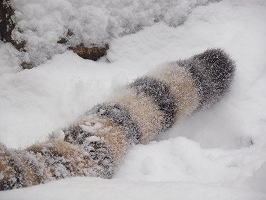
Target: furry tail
[96,143]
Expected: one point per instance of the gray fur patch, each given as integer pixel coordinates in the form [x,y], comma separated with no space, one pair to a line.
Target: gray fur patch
[18,180]
[212,72]
[161,95]
[120,116]
[97,150]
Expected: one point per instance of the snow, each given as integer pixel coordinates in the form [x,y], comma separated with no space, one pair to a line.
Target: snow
[42,23]
[9,58]
[218,153]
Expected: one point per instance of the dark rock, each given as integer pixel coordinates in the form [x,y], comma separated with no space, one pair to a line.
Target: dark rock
[7,24]
[26,65]
[91,53]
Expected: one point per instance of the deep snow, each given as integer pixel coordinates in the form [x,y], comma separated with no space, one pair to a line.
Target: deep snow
[207,156]
[42,23]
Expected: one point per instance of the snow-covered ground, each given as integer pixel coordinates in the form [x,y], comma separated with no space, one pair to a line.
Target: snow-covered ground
[219,153]
[42,23]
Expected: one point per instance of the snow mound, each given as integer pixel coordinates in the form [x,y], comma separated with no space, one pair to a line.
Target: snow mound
[42,23]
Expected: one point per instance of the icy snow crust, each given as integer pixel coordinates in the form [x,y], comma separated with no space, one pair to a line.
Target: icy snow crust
[42,23]
[207,156]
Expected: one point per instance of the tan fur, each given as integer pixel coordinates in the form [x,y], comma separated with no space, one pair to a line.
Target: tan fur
[144,111]
[94,144]
[181,85]
[29,174]
[76,155]
[6,170]
[113,135]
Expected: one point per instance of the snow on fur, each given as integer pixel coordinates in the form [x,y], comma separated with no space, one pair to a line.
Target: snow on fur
[96,143]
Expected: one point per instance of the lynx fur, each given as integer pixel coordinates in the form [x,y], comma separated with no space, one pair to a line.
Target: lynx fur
[95,144]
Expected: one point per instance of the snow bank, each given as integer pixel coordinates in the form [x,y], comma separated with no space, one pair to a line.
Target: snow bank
[95,189]
[258,180]
[42,23]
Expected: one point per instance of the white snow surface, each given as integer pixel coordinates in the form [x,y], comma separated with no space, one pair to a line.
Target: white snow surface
[205,156]
[42,23]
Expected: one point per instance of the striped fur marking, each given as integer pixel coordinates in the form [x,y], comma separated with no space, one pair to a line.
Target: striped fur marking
[100,154]
[33,169]
[60,165]
[95,144]
[61,159]
[91,128]
[18,176]
[181,86]
[96,148]
[7,172]
[161,95]
[21,171]
[120,116]
[212,73]
[113,136]
[143,110]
